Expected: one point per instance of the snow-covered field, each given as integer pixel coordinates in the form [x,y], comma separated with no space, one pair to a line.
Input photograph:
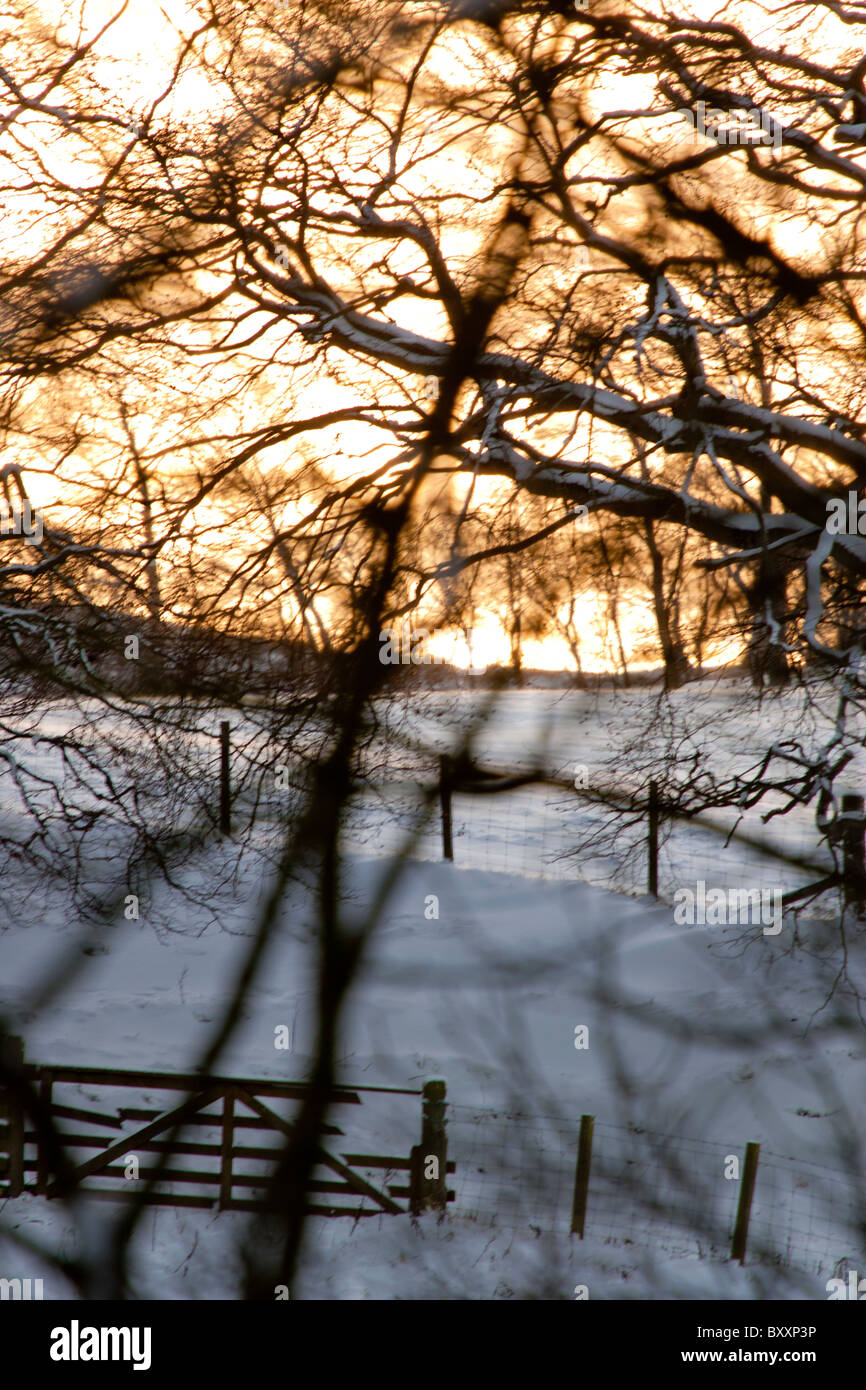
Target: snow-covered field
[617,740]
[700,1039]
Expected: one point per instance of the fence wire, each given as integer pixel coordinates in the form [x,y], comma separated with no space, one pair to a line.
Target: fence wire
[649,1189]
[552,830]
[542,831]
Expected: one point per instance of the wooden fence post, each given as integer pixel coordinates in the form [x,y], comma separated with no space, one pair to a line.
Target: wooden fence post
[228,1139]
[853,836]
[46,1086]
[653,840]
[581,1176]
[445,781]
[744,1206]
[430,1189]
[11,1122]
[225,787]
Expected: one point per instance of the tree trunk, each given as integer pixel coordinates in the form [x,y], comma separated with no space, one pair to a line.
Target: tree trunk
[614,618]
[676,662]
[154,597]
[768,660]
[514,636]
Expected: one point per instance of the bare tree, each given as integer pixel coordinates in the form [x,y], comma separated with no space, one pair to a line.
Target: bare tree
[203,297]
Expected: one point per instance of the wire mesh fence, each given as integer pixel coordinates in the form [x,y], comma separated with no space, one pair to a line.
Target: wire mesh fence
[806,1211]
[542,831]
[561,827]
[649,1189]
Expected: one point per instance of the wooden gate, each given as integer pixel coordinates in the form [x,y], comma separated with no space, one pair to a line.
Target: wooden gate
[219,1146]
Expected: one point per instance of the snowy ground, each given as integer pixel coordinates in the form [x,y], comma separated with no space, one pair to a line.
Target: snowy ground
[708,1036]
[617,740]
